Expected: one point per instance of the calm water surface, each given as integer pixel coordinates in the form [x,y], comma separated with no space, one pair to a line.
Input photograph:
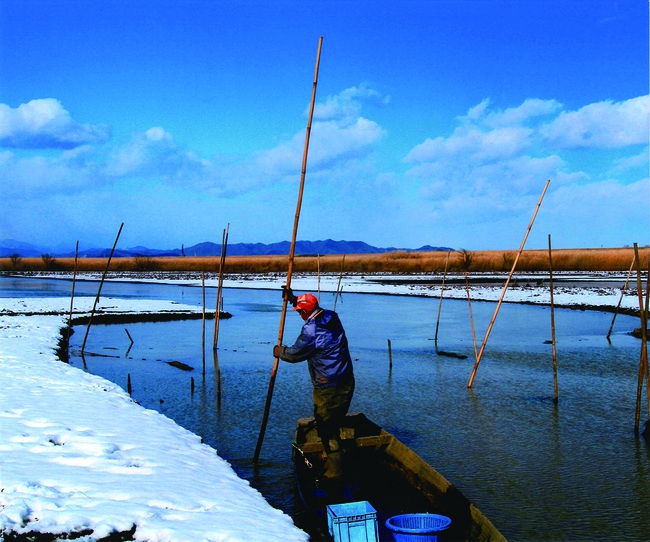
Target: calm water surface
[539,471]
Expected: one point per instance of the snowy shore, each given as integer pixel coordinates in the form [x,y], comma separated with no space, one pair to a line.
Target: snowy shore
[77,455]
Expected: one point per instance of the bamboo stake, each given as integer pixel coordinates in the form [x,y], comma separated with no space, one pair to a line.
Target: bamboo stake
[203,320]
[292,251]
[74,278]
[217,376]
[101,283]
[319,279]
[338,286]
[442,289]
[222,264]
[505,287]
[620,299]
[550,274]
[643,365]
[471,317]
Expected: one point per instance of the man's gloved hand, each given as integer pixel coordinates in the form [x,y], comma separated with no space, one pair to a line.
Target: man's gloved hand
[277,350]
[287,293]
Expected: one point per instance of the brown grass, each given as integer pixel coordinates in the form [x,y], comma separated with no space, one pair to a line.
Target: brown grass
[604,259]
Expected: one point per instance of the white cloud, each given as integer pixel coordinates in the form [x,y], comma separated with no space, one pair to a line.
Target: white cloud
[601,125]
[45,124]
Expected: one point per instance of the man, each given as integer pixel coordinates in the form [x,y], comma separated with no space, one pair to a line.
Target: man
[322,342]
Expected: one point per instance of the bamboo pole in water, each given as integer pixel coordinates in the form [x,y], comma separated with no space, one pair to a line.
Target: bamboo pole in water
[338,286]
[471,316]
[442,289]
[99,291]
[554,345]
[620,299]
[74,278]
[292,251]
[390,355]
[222,264]
[505,287]
[643,365]
[203,321]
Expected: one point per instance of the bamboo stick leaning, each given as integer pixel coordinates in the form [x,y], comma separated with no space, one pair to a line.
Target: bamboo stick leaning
[505,287]
[292,251]
[99,291]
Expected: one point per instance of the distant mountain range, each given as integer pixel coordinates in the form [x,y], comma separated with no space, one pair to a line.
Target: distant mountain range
[8,247]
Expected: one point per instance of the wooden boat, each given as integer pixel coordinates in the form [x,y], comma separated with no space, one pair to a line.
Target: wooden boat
[382,470]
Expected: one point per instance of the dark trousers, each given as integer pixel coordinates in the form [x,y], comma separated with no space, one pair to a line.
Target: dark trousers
[330,407]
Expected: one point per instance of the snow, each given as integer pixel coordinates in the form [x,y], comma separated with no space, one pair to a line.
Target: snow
[77,455]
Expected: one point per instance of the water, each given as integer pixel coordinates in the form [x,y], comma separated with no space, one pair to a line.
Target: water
[539,471]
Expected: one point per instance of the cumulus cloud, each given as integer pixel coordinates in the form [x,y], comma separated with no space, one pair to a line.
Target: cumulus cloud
[45,124]
[508,153]
[603,125]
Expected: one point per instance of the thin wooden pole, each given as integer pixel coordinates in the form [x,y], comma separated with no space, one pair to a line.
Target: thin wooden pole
[74,278]
[390,355]
[471,316]
[101,283]
[222,265]
[442,289]
[292,252]
[620,299]
[217,376]
[319,279]
[553,343]
[203,320]
[505,287]
[338,286]
[643,365]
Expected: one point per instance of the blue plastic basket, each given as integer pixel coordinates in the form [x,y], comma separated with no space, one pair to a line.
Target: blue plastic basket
[417,527]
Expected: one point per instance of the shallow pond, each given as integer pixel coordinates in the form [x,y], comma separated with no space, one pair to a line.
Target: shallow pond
[539,471]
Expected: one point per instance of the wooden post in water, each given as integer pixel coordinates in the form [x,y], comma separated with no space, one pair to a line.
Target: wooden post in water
[442,289]
[471,316]
[74,277]
[643,365]
[390,355]
[203,321]
[128,383]
[620,299]
[292,252]
[217,376]
[505,287]
[550,274]
[99,291]
[338,287]
[222,264]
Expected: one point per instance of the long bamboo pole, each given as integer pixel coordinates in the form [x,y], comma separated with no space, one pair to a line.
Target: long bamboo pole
[505,287]
[471,316]
[339,289]
[292,252]
[74,278]
[553,343]
[222,264]
[99,291]
[644,341]
[620,299]
[442,289]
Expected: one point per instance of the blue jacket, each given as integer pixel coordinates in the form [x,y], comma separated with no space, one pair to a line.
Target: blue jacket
[323,343]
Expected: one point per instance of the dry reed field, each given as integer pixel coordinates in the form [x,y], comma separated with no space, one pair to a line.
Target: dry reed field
[402,262]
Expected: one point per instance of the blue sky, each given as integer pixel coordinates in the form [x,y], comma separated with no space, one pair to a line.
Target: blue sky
[437,122]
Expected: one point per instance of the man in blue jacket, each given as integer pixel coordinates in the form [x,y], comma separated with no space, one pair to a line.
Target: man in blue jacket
[322,342]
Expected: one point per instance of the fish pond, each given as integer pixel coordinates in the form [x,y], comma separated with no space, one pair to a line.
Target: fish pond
[539,470]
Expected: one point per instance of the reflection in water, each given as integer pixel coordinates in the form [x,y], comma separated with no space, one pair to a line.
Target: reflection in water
[539,471]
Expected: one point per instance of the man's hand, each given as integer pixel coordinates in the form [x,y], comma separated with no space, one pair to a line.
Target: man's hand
[287,293]
[277,351]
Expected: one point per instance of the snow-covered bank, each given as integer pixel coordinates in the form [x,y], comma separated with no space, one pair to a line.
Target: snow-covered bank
[593,290]
[77,455]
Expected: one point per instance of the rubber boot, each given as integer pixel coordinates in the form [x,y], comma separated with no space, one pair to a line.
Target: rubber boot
[334,463]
